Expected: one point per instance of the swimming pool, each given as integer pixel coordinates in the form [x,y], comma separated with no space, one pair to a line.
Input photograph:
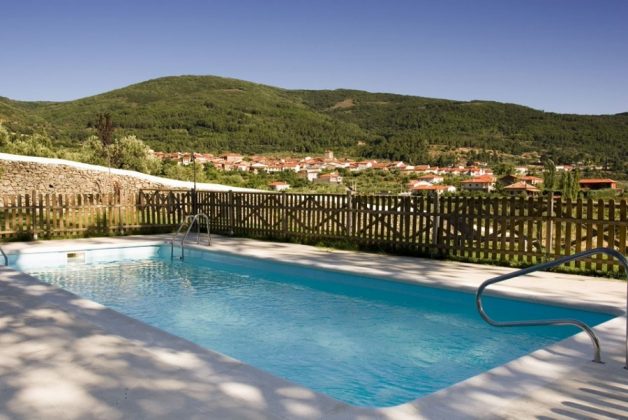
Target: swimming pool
[361,340]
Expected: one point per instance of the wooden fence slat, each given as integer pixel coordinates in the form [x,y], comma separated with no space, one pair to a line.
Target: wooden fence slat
[529,231]
[578,229]
[611,233]
[567,238]
[557,240]
[623,244]
[600,265]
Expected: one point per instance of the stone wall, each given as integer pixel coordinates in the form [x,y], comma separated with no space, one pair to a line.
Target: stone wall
[26,177]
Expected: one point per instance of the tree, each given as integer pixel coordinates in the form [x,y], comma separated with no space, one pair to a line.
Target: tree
[446,159]
[126,153]
[26,144]
[504,169]
[104,128]
[575,184]
[549,175]
[131,153]
[564,185]
[569,185]
[94,152]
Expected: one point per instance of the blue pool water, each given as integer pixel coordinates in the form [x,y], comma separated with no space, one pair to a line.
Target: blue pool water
[360,340]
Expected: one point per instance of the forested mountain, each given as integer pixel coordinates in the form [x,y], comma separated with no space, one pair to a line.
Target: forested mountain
[401,124]
[184,113]
[214,114]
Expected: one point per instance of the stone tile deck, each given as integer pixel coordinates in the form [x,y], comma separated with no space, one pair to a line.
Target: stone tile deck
[66,357]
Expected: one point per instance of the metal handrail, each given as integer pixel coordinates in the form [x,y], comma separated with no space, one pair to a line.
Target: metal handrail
[544,266]
[6,259]
[190,220]
[176,235]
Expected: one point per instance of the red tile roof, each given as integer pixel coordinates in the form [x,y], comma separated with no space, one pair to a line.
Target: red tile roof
[596,181]
[431,187]
[523,186]
[482,179]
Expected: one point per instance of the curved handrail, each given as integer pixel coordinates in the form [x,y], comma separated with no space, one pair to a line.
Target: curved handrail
[544,266]
[174,237]
[191,219]
[6,259]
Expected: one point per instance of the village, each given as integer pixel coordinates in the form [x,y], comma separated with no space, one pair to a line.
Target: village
[469,177]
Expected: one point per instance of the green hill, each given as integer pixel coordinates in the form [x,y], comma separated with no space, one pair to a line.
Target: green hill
[202,113]
[215,114]
[402,123]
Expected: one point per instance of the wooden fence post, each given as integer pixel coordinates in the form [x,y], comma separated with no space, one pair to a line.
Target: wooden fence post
[40,214]
[120,219]
[284,214]
[28,215]
[550,226]
[436,222]
[404,228]
[231,213]
[349,220]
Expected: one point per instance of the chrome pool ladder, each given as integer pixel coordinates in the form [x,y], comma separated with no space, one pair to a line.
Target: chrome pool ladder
[190,220]
[4,256]
[544,266]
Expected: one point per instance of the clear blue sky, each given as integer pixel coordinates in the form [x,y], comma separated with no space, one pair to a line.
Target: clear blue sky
[556,55]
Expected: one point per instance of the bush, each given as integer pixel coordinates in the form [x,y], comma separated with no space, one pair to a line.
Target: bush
[25,144]
[131,153]
[126,153]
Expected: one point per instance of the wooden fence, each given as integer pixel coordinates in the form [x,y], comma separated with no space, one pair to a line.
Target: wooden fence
[517,231]
[47,216]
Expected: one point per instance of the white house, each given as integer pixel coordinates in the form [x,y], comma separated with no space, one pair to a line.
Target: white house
[309,174]
[330,178]
[484,183]
[438,189]
[279,185]
[431,178]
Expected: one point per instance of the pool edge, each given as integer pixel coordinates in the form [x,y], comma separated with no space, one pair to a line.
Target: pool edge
[537,369]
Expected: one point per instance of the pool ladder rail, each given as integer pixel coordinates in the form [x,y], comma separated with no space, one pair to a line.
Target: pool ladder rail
[545,266]
[4,256]
[190,221]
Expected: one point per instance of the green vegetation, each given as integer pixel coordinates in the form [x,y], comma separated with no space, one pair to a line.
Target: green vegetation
[185,113]
[207,173]
[25,144]
[549,176]
[605,194]
[569,185]
[402,125]
[213,114]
